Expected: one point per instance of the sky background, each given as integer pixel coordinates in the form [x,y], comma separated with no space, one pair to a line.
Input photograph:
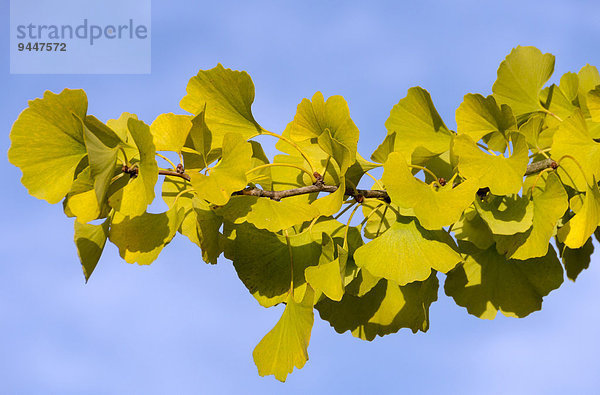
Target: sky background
[181,326]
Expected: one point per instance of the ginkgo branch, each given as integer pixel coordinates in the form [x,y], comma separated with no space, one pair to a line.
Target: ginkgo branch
[317,187]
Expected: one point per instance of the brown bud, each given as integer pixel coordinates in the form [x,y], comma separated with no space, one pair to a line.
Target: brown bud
[554,165]
[180,169]
[359,198]
[442,181]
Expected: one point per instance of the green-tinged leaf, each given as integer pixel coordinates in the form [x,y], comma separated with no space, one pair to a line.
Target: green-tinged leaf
[120,128]
[328,121]
[572,139]
[102,145]
[478,116]
[549,205]
[81,201]
[578,230]
[532,130]
[170,131]
[328,275]
[576,260]
[380,221]
[487,282]
[134,198]
[286,345]
[506,215]
[362,284]
[502,175]
[385,309]
[260,176]
[593,103]
[407,253]
[265,263]
[199,141]
[435,207]
[226,95]
[200,223]
[564,96]
[470,227]
[90,240]
[265,213]
[331,203]
[141,239]
[47,143]
[381,153]
[417,124]
[229,175]
[521,77]
[589,79]
[355,173]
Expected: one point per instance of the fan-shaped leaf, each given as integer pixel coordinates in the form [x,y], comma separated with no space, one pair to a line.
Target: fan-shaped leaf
[285,346]
[502,175]
[385,309]
[226,96]
[328,275]
[487,283]
[90,240]
[572,139]
[521,77]
[265,263]
[478,116]
[328,121]
[549,205]
[417,125]
[229,175]
[578,229]
[434,208]
[506,215]
[134,198]
[407,253]
[47,143]
[141,239]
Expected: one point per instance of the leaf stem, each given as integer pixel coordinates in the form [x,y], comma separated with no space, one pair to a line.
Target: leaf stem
[290,142]
[552,114]
[348,226]
[379,184]
[166,159]
[437,181]
[312,177]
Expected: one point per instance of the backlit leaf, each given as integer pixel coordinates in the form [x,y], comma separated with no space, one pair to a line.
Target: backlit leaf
[574,140]
[47,143]
[226,95]
[433,207]
[549,205]
[134,198]
[229,175]
[265,263]
[578,229]
[385,309]
[328,275]
[487,282]
[330,123]
[407,253]
[506,215]
[478,116]
[170,131]
[521,77]
[285,346]
[90,240]
[141,239]
[417,124]
[502,175]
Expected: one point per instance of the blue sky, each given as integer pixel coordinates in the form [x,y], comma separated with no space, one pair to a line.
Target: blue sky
[180,326]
